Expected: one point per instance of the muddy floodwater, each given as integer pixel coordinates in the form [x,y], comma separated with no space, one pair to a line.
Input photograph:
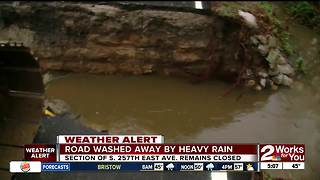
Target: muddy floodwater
[152,104]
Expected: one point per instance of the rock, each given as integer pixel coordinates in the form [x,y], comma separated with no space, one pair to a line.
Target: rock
[99,67]
[263,49]
[69,23]
[271,84]
[262,39]
[15,3]
[254,40]
[47,77]
[282,79]
[272,56]
[286,69]
[250,83]
[273,72]
[263,82]
[281,60]
[50,76]
[272,42]
[249,72]
[274,87]
[314,41]
[262,74]
[258,88]
[278,79]
[110,39]
[287,81]
[57,106]
[147,69]
[187,56]
[249,19]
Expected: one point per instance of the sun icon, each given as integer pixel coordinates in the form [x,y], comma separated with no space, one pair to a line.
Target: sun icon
[250,167]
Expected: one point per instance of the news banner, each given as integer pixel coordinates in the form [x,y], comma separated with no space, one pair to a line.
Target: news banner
[150,153]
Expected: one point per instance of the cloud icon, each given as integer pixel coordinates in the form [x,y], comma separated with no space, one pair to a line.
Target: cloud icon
[210,166]
[170,166]
[249,167]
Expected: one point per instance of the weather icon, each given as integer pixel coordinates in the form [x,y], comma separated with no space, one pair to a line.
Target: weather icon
[210,166]
[250,167]
[170,166]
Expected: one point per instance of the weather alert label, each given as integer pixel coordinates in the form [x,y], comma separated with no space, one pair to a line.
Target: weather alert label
[40,152]
[282,156]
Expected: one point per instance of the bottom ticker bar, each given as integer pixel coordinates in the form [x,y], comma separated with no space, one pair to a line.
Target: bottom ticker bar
[139,166]
[37,166]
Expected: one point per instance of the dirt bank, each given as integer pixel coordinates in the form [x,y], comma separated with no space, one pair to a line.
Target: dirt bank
[108,39]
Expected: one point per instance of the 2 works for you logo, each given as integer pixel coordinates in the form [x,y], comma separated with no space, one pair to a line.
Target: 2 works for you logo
[282,152]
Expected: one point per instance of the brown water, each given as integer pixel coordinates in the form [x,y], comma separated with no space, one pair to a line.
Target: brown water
[152,104]
[197,113]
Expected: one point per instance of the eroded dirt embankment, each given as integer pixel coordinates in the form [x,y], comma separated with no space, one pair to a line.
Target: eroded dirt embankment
[111,40]
[106,39]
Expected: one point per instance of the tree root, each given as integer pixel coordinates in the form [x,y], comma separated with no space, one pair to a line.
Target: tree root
[244,56]
[241,54]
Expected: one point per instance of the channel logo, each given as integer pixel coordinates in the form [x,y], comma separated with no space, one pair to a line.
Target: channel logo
[282,152]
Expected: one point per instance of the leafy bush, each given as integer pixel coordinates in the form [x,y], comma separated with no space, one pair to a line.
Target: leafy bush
[299,65]
[267,6]
[278,29]
[305,13]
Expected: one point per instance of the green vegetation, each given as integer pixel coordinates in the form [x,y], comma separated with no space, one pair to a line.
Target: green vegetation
[299,65]
[267,7]
[285,44]
[278,29]
[305,13]
[301,10]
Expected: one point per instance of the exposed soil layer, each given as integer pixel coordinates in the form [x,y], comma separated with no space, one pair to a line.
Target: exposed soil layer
[108,39]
